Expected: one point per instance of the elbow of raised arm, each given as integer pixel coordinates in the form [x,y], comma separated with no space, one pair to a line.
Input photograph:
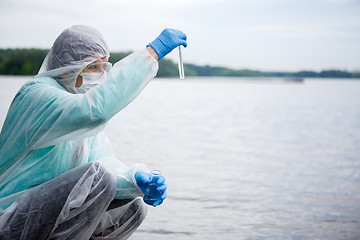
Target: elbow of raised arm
[101,120]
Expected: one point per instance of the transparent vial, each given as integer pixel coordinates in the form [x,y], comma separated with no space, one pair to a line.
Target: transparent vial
[152,187]
[181,65]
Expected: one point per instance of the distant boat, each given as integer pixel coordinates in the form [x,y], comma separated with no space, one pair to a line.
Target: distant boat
[294,79]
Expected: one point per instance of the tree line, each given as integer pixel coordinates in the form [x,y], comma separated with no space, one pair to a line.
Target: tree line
[27,61]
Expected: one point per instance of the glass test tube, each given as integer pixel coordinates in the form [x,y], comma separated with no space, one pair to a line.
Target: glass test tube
[152,186]
[181,65]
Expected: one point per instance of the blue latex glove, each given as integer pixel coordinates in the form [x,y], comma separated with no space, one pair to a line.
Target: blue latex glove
[167,41]
[154,187]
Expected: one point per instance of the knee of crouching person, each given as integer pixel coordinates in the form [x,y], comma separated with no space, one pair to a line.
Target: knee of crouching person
[140,208]
[105,177]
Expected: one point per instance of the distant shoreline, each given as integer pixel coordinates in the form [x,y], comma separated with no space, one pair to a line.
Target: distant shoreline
[27,61]
[217,79]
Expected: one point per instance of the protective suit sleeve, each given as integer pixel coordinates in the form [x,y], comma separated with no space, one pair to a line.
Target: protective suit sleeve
[126,186]
[55,116]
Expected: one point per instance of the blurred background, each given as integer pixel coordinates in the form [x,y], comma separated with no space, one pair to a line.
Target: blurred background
[276,35]
[262,138]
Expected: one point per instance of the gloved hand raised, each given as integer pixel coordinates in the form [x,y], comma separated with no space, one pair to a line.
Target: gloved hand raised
[167,41]
[153,187]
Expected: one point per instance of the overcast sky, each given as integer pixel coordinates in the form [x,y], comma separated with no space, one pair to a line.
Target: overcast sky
[286,35]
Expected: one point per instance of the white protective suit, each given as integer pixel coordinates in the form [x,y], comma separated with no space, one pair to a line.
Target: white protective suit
[51,128]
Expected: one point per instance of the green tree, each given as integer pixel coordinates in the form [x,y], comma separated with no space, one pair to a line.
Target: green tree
[28,62]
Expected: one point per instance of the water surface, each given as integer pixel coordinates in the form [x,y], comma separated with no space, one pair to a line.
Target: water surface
[244,159]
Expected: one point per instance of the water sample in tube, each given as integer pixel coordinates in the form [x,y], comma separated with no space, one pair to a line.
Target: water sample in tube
[152,188]
[181,65]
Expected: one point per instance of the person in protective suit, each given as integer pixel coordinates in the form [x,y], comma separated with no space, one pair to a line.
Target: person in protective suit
[58,176]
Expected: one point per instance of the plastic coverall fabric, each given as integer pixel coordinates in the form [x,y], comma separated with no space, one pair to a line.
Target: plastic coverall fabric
[76,207]
[50,130]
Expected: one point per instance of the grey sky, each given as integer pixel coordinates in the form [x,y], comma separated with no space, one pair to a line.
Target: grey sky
[257,34]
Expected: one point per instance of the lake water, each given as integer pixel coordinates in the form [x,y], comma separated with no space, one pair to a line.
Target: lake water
[244,159]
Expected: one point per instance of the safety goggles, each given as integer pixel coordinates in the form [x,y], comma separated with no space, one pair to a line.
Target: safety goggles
[98,67]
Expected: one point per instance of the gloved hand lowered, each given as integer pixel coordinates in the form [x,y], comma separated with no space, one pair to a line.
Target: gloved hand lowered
[154,187]
[167,41]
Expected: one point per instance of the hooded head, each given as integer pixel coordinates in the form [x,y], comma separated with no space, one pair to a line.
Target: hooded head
[72,51]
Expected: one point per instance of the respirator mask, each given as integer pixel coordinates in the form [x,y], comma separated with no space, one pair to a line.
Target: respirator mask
[95,74]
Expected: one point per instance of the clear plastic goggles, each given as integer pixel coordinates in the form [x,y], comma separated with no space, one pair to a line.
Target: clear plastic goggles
[98,67]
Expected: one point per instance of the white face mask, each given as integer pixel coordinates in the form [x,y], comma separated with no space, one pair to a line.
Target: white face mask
[90,80]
